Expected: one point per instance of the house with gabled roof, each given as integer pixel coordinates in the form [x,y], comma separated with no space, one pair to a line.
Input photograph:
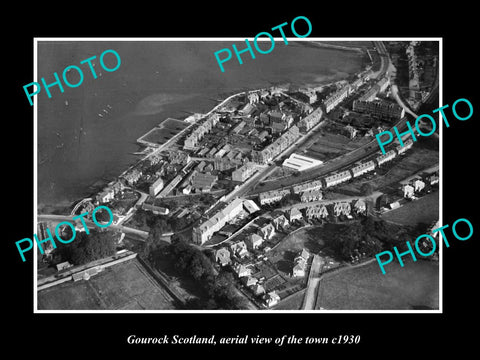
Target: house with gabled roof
[267,230]
[242,270]
[249,280]
[272,298]
[279,220]
[341,208]
[360,207]
[258,289]
[239,249]
[253,241]
[293,214]
[222,256]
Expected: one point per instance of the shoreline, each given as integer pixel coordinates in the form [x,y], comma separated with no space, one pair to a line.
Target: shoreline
[146,151]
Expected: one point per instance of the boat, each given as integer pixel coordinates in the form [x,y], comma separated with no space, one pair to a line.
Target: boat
[100,115]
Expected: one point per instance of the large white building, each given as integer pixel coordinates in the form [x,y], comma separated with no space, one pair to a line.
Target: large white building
[336,98]
[155,188]
[205,230]
[300,163]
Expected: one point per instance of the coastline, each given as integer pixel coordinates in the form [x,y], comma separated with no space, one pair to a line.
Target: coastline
[145,151]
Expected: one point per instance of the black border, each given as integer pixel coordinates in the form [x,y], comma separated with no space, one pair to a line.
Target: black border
[107,333]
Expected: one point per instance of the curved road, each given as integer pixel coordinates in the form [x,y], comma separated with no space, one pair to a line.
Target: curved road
[91,225]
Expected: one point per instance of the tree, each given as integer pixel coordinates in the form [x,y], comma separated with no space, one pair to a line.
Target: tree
[87,248]
[102,215]
[367,189]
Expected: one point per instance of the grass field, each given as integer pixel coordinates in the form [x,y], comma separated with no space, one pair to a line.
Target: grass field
[423,210]
[125,286]
[415,286]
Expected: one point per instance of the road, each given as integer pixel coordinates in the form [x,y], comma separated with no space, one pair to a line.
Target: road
[310,297]
[91,225]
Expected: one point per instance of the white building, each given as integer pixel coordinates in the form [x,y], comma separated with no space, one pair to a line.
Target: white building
[300,163]
[363,168]
[338,178]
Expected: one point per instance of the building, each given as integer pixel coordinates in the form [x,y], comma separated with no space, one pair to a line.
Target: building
[273,196]
[337,178]
[244,172]
[277,147]
[300,264]
[222,256]
[132,177]
[394,205]
[155,188]
[311,195]
[316,212]
[299,269]
[419,185]
[248,109]
[336,98]
[385,157]
[258,289]
[363,168]
[308,122]
[360,207]
[408,191]
[63,265]
[237,128]
[249,281]
[205,230]
[250,206]
[433,179]
[272,299]
[253,241]
[196,136]
[341,208]
[105,196]
[279,220]
[158,210]
[242,270]
[170,186]
[314,185]
[299,162]
[406,145]
[293,214]
[349,131]
[239,249]
[379,87]
[380,109]
[266,230]
[203,182]
[253,97]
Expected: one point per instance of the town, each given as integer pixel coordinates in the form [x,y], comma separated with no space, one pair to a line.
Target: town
[237,199]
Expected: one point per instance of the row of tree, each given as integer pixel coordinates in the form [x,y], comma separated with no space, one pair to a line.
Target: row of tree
[218,289]
[370,236]
[86,248]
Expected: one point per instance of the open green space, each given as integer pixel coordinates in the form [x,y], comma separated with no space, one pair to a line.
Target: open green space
[125,286]
[412,287]
[424,210]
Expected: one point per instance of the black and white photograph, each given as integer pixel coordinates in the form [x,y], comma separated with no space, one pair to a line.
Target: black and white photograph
[225,186]
[221,181]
